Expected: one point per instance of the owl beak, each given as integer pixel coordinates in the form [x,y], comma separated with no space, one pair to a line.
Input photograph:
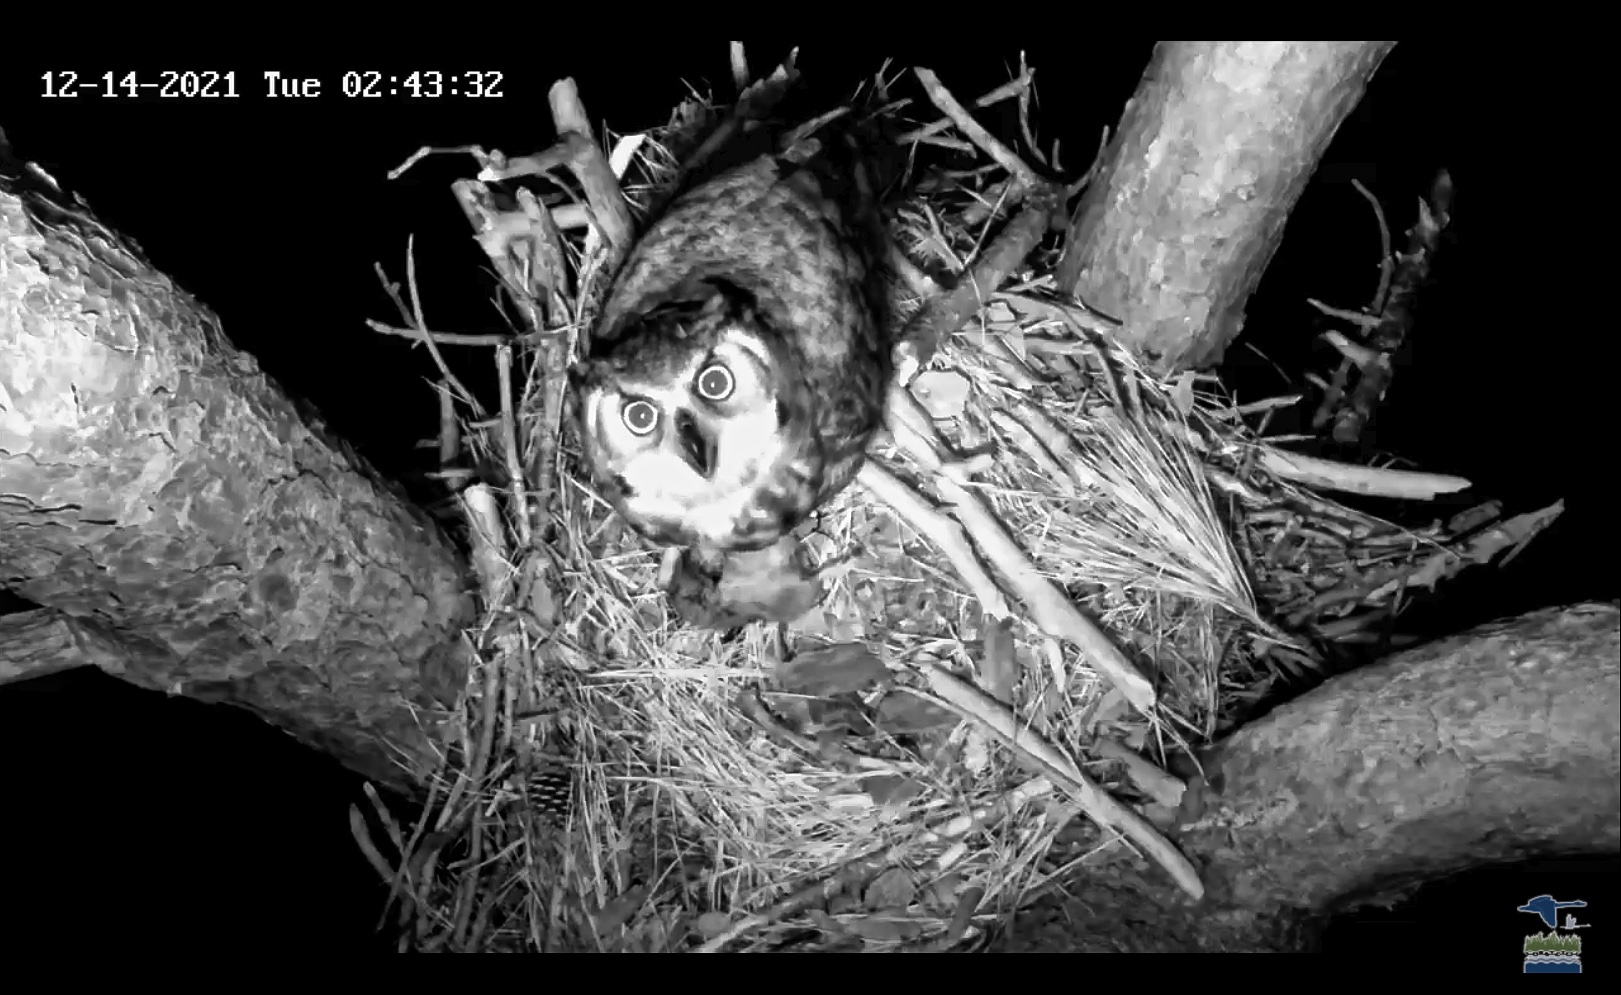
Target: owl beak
[697,447]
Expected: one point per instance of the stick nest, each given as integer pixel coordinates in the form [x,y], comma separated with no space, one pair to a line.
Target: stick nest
[937,741]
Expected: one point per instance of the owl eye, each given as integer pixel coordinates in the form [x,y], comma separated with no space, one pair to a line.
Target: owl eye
[640,417]
[716,383]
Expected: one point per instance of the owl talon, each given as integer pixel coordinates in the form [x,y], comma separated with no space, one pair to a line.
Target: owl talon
[728,591]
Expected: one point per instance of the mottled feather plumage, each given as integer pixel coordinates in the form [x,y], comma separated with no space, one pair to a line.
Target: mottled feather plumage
[770,269]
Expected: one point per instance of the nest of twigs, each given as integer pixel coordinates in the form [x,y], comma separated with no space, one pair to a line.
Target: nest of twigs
[1058,572]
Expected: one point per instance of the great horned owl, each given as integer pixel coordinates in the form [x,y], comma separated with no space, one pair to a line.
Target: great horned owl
[741,357]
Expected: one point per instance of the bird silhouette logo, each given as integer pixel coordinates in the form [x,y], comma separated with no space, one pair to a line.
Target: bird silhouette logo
[1548,909]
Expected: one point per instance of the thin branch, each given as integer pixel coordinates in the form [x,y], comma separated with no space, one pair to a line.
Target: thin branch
[443,338]
[421,323]
[509,445]
[987,143]
[1017,87]
[942,316]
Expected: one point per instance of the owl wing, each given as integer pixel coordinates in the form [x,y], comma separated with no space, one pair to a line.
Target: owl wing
[816,203]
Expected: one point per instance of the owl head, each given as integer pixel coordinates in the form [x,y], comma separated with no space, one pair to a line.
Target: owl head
[687,419]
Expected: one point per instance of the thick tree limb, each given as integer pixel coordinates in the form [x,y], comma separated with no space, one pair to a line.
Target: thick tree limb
[1495,744]
[158,490]
[1210,156]
[1479,748]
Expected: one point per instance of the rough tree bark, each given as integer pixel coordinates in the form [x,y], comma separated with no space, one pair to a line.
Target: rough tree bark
[183,524]
[1208,160]
[1499,743]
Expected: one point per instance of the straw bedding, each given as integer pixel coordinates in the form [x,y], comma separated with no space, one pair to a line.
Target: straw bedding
[921,752]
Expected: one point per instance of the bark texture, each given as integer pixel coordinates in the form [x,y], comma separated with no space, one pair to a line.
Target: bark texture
[160,494]
[1500,743]
[1210,156]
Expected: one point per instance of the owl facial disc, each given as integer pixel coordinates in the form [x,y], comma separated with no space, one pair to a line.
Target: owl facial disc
[683,455]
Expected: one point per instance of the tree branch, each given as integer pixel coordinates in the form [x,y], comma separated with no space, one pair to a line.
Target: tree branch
[153,479]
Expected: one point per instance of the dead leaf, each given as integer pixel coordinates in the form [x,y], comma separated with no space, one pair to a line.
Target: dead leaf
[892,928]
[941,392]
[651,935]
[843,713]
[619,910]
[893,889]
[1105,710]
[841,904]
[848,629]
[833,669]
[998,663]
[713,924]
[902,714]
[1159,815]
[890,789]
[943,892]
[731,590]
